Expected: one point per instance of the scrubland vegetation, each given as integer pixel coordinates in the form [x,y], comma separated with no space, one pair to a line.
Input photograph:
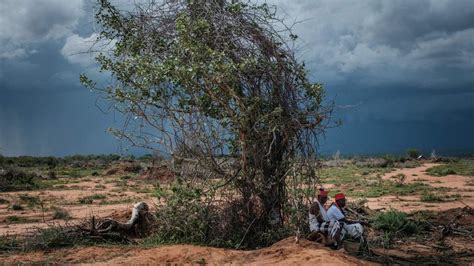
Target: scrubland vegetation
[184,220]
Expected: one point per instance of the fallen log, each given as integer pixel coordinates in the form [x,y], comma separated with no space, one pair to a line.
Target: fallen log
[138,224]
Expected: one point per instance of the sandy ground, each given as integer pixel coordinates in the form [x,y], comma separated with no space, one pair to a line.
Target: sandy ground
[456,183]
[285,252]
[118,197]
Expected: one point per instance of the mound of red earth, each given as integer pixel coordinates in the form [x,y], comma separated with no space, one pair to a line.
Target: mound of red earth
[285,252]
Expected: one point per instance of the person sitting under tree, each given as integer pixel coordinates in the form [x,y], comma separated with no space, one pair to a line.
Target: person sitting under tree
[319,221]
[350,229]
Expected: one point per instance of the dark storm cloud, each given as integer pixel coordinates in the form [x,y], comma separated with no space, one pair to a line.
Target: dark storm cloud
[399,71]
[388,41]
[405,67]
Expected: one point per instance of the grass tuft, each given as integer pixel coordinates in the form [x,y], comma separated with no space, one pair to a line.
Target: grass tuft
[90,199]
[61,214]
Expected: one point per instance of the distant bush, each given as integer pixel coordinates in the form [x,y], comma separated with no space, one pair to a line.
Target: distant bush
[13,179]
[60,213]
[413,153]
[17,207]
[441,170]
[430,197]
[15,219]
[451,166]
[394,223]
[90,199]
[31,201]
[125,177]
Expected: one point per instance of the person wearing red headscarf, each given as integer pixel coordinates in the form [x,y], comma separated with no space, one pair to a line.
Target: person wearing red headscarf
[352,229]
[319,221]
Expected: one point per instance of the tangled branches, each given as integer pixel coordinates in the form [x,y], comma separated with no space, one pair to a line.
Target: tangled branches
[218,82]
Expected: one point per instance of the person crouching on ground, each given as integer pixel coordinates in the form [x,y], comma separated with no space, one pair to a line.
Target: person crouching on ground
[319,221]
[351,229]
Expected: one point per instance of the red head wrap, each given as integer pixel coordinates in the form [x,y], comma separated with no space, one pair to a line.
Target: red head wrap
[323,193]
[339,196]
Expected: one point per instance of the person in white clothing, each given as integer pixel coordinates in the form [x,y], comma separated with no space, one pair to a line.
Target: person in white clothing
[352,229]
[320,222]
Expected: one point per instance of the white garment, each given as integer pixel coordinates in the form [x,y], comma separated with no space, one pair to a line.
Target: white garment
[354,231]
[313,221]
[323,212]
[351,230]
[335,213]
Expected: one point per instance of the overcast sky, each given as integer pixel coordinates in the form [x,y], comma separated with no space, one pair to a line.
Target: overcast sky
[400,72]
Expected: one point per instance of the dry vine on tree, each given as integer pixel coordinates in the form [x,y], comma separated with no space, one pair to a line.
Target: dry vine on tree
[216,85]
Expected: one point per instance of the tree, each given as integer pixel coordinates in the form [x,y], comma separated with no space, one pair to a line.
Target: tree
[218,81]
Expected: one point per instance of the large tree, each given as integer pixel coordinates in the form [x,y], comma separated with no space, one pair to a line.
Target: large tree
[219,82]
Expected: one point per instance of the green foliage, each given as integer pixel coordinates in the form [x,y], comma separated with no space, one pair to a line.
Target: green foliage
[15,219]
[4,201]
[431,197]
[463,167]
[90,199]
[9,244]
[413,153]
[190,217]
[394,223]
[218,78]
[31,201]
[60,213]
[13,179]
[125,177]
[17,207]
[53,162]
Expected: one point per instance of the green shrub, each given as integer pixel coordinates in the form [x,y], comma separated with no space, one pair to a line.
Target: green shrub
[13,179]
[31,201]
[430,197]
[394,222]
[90,199]
[60,213]
[17,207]
[413,153]
[463,167]
[9,244]
[15,219]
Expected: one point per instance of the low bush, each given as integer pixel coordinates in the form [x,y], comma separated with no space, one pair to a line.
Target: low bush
[463,167]
[17,207]
[13,179]
[61,214]
[413,153]
[189,216]
[90,199]
[394,223]
[31,201]
[4,201]
[15,219]
[430,197]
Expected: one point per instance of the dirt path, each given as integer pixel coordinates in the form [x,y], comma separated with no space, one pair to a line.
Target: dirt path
[455,183]
[285,252]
